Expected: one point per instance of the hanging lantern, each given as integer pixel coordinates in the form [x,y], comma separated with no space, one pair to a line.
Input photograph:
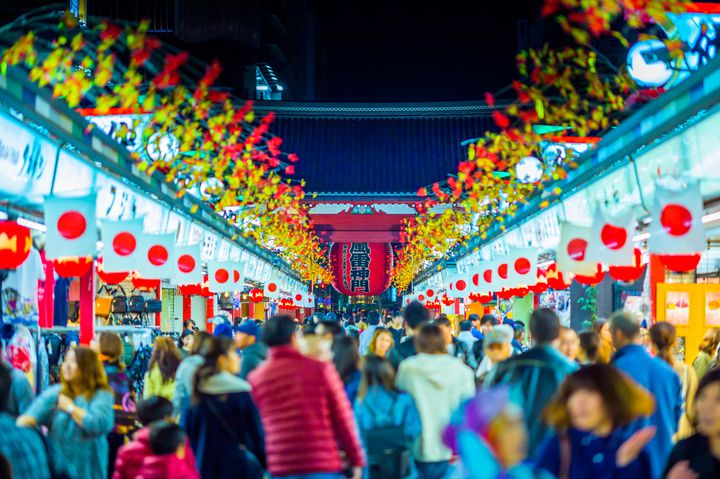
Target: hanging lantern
[591,280]
[72,267]
[361,269]
[110,278]
[542,285]
[15,244]
[680,263]
[556,279]
[628,274]
[435,304]
[286,303]
[256,295]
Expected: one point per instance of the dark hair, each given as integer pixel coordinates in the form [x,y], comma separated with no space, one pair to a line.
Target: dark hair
[442,316]
[663,336]
[153,409]
[201,337]
[473,317]
[598,325]
[489,318]
[443,321]
[216,347]
[430,339]
[332,327]
[5,385]
[373,318]
[166,356]
[544,325]
[346,356]
[710,341]
[623,398]
[183,335]
[188,324]
[415,314]
[590,344]
[712,377]
[278,330]
[5,468]
[353,332]
[465,325]
[624,323]
[166,438]
[93,374]
[377,372]
[111,346]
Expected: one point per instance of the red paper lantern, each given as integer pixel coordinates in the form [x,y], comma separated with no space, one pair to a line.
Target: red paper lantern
[72,267]
[593,279]
[361,269]
[256,295]
[286,303]
[110,278]
[555,278]
[433,304]
[680,263]
[628,274]
[15,244]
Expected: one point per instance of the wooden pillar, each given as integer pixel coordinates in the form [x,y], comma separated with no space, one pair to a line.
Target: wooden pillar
[87,306]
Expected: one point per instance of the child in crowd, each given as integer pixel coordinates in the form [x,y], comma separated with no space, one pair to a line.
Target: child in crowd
[131,457]
[171,452]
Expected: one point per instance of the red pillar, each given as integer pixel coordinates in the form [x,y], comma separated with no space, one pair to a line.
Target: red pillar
[656,270]
[186,308]
[87,306]
[209,313]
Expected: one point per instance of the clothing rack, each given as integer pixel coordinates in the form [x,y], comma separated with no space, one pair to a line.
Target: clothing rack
[115,329]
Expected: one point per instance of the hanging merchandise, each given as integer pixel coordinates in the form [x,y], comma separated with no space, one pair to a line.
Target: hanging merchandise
[680,263]
[572,252]
[593,279]
[15,244]
[224,276]
[610,240]
[72,267]
[628,274]
[157,256]
[556,279]
[71,226]
[522,267]
[121,245]
[676,227]
[186,267]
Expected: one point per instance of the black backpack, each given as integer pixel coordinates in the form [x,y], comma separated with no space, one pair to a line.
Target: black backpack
[388,455]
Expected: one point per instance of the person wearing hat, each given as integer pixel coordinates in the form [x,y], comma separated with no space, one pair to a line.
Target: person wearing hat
[497,344]
[254,351]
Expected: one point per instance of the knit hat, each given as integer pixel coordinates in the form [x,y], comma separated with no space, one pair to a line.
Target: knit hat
[223,329]
[249,327]
[501,333]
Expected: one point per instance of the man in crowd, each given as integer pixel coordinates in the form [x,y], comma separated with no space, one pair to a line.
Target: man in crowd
[329,330]
[396,327]
[498,348]
[254,351]
[466,335]
[535,376]
[486,323]
[569,343]
[366,336]
[656,376]
[414,315]
[518,341]
[438,383]
[25,450]
[305,412]
[455,347]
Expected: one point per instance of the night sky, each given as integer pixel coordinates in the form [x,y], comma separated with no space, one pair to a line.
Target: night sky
[380,50]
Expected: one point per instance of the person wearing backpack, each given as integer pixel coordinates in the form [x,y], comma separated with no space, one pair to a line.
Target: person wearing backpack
[388,421]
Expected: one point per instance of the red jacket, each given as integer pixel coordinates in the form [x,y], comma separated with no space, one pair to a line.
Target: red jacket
[305,413]
[130,459]
[169,466]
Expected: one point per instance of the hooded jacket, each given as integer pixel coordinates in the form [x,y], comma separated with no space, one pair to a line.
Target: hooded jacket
[137,457]
[169,466]
[438,383]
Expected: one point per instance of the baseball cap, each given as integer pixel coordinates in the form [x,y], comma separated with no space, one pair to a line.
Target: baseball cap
[223,329]
[502,333]
[249,327]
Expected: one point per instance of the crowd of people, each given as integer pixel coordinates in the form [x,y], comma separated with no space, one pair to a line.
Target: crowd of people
[400,396]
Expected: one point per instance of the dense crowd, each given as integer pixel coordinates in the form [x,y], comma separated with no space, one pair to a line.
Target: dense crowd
[366,396]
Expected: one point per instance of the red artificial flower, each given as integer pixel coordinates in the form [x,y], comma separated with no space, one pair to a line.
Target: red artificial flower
[290,170]
[501,120]
[489,99]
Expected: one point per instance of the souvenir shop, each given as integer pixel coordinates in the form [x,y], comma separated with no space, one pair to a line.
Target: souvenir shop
[636,228]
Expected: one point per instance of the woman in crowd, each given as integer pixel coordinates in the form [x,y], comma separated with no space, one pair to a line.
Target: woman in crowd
[185,343]
[164,362]
[78,413]
[382,345]
[346,357]
[698,457]
[605,350]
[186,372]
[708,349]
[589,347]
[223,424]
[109,348]
[662,337]
[588,415]
[381,407]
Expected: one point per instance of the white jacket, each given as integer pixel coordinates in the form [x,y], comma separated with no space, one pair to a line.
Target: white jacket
[438,383]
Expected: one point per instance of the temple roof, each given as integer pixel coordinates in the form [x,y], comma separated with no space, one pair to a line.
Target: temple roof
[376,149]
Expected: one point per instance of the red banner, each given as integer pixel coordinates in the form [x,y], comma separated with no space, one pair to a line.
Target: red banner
[361,269]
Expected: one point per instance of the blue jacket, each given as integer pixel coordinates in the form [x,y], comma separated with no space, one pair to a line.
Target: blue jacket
[534,377]
[217,451]
[591,457]
[660,380]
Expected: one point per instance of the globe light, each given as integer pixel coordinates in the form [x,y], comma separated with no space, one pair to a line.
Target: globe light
[529,170]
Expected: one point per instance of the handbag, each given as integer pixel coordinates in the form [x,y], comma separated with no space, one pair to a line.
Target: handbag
[253,467]
[153,306]
[119,303]
[103,304]
[137,303]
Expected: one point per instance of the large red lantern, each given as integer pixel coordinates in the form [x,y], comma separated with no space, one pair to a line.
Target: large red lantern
[361,269]
[680,263]
[256,295]
[591,280]
[628,274]
[72,267]
[15,244]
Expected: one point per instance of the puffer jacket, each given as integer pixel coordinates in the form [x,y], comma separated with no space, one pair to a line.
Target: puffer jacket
[131,458]
[169,466]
